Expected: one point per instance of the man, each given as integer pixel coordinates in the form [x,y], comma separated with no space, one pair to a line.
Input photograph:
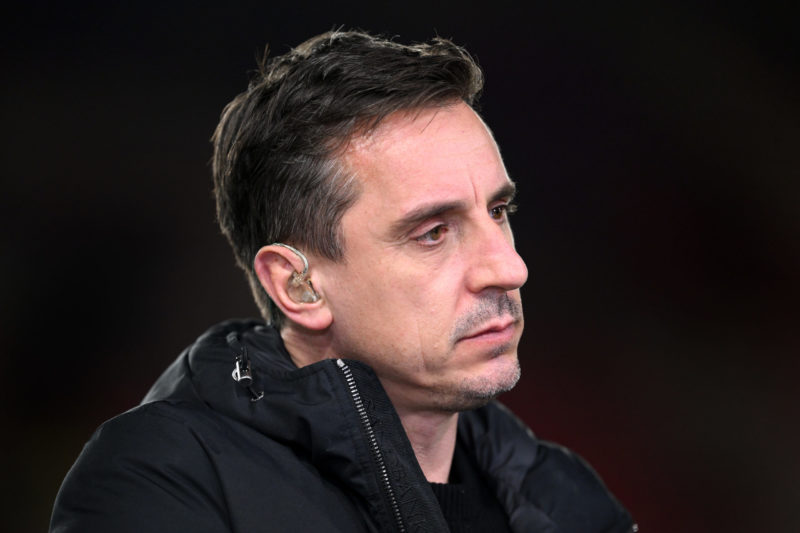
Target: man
[368,204]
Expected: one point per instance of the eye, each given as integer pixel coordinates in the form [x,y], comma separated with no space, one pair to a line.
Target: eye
[432,236]
[500,212]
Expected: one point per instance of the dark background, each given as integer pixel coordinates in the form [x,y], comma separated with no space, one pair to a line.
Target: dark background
[655,145]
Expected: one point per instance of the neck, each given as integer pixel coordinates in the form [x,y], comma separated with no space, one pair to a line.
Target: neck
[306,346]
[433,439]
[432,433]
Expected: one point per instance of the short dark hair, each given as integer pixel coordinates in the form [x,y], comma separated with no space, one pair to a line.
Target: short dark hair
[275,167]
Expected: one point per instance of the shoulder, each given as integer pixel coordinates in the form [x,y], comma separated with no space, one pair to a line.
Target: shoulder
[539,481]
[572,493]
[144,470]
[163,433]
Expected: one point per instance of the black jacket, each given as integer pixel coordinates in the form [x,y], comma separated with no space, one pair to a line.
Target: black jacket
[322,450]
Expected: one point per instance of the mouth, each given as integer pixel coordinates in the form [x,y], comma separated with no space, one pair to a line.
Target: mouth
[500,330]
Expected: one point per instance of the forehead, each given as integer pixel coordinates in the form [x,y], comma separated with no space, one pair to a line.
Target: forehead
[437,154]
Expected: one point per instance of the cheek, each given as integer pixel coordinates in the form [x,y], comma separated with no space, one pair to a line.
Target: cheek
[404,305]
[436,313]
[366,306]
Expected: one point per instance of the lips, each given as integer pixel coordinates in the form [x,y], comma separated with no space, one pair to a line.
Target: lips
[495,330]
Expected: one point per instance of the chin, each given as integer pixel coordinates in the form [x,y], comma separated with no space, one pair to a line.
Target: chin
[476,391]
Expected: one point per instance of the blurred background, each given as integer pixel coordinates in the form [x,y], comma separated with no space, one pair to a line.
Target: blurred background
[655,145]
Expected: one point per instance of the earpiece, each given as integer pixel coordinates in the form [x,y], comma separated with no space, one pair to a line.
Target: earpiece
[300,288]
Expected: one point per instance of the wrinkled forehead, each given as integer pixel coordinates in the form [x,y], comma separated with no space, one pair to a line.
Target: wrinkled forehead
[430,142]
[406,123]
[442,155]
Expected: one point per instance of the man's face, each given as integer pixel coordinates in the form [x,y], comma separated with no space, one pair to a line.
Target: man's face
[428,292]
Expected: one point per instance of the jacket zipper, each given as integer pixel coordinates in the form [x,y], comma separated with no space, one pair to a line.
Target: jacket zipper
[373,441]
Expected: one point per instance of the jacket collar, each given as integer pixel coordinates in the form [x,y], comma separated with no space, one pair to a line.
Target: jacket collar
[310,409]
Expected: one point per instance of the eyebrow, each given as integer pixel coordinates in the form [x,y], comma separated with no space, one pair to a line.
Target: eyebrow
[425,211]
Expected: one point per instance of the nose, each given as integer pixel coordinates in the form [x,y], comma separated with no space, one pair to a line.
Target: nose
[495,262]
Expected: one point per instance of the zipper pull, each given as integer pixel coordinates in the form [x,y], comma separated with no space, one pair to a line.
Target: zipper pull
[242,374]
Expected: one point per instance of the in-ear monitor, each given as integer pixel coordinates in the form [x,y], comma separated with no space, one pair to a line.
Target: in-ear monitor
[300,288]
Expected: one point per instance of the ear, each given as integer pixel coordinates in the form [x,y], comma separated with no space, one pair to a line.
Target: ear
[275,267]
